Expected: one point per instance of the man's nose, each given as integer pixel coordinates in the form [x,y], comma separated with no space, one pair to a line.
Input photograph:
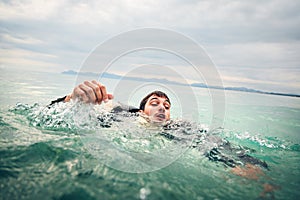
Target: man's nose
[162,108]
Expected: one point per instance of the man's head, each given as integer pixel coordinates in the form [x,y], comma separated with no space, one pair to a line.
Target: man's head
[157,106]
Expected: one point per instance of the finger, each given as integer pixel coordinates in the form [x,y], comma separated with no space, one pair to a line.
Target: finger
[103,91]
[110,96]
[96,88]
[79,94]
[98,92]
[89,93]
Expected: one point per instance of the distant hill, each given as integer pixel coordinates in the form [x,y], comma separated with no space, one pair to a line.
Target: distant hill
[92,74]
[166,81]
[115,76]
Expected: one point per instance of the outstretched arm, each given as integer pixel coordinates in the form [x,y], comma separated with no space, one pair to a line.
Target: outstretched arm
[88,92]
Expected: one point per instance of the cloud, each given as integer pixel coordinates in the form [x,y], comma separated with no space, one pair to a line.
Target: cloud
[29,10]
[246,39]
[257,54]
[20,39]
[277,79]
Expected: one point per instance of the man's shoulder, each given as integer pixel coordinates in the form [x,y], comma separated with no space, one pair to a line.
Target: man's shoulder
[120,107]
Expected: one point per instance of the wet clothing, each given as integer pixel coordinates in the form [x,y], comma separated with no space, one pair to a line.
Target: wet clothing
[122,107]
[119,108]
[61,99]
[223,151]
[232,156]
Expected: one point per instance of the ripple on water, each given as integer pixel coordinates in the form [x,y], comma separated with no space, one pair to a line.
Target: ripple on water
[43,152]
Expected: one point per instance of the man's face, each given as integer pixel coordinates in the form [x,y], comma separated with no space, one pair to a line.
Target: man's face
[157,108]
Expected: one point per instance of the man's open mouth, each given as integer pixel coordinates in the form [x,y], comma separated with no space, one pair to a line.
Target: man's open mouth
[161,116]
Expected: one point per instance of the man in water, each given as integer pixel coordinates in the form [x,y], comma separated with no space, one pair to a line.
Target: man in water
[155,108]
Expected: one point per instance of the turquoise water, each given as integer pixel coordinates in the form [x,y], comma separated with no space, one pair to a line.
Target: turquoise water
[46,154]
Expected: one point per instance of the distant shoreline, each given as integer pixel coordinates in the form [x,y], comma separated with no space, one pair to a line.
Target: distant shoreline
[200,85]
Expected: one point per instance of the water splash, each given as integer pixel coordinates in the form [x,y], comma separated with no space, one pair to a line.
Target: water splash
[258,140]
[120,137]
[61,116]
[126,128]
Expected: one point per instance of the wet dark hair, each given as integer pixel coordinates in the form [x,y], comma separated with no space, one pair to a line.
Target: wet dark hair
[156,93]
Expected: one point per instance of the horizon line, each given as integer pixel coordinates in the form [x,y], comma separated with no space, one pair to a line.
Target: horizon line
[196,84]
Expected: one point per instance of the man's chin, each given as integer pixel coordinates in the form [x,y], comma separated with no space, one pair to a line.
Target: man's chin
[155,120]
[158,120]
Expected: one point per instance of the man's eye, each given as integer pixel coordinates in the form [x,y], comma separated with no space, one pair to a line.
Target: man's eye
[154,104]
[167,107]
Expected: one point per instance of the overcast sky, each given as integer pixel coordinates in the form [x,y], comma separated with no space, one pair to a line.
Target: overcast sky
[254,44]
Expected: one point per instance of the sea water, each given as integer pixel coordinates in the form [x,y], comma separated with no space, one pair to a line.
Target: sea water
[64,153]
